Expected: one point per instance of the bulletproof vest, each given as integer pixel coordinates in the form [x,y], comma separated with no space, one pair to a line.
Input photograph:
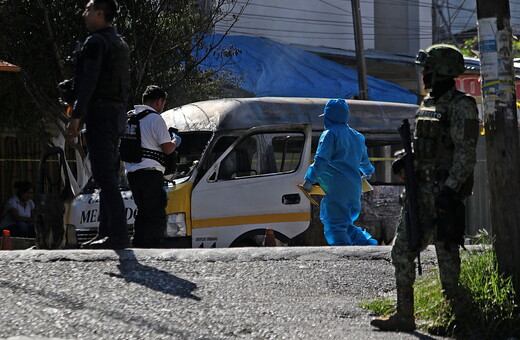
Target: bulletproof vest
[114,78]
[433,146]
[130,148]
[432,142]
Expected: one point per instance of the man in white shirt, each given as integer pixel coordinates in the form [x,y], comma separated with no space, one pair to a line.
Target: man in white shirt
[19,213]
[146,177]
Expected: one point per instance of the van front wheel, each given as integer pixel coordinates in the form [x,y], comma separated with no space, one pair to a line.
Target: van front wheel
[255,238]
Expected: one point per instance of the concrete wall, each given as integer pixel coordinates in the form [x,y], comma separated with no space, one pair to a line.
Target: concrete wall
[393,26]
[402,27]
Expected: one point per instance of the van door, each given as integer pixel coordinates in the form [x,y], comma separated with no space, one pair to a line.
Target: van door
[252,186]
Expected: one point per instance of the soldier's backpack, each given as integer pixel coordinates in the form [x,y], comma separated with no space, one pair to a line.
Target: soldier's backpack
[130,147]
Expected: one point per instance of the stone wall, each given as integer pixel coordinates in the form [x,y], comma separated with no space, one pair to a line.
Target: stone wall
[380,210]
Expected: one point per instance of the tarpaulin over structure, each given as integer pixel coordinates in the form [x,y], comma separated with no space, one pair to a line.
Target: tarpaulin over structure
[270,68]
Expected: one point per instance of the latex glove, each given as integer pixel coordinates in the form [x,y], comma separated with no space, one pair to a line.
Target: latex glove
[445,199]
[307,186]
[178,139]
[367,177]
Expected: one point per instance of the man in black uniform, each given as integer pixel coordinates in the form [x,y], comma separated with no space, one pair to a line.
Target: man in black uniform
[101,85]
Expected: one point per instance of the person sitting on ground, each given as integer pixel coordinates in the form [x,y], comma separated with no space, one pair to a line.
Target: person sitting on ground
[19,213]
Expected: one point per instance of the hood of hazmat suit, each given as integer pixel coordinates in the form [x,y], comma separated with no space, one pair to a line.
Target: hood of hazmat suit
[340,157]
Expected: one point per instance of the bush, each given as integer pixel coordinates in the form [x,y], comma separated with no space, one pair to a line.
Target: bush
[485,307]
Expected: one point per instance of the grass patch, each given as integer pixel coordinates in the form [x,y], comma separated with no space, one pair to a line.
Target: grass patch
[381,306]
[485,309]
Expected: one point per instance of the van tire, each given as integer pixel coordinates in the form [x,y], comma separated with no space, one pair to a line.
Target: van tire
[254,238]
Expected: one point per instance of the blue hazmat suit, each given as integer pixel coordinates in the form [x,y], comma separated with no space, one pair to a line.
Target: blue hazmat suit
[340,157]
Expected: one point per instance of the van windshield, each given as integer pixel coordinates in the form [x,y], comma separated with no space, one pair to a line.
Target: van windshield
[190,151]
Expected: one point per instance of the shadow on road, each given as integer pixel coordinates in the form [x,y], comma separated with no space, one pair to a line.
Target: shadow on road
[415,333]
[133,271]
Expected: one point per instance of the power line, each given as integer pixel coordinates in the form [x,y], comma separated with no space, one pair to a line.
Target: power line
[320,21]
[313,35]
[301,16]
[370,2]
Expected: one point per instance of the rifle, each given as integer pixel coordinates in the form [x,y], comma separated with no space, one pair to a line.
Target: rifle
[413,223]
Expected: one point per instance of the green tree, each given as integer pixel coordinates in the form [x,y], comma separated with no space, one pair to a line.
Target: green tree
[470,48]
[163,35]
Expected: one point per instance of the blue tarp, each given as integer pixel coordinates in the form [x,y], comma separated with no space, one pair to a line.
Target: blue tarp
[270,68]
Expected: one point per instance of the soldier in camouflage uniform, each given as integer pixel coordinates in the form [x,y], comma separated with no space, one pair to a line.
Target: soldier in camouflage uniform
[444,146]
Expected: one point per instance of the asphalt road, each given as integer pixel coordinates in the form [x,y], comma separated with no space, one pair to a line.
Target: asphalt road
[240,293]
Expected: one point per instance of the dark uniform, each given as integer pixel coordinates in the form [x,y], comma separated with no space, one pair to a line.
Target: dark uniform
[444,146]
[102,85]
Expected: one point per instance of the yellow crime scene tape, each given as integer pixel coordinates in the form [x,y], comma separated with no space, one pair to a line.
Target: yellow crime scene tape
[381,159]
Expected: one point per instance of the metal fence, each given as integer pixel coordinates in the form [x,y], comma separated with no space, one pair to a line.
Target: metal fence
[19,160]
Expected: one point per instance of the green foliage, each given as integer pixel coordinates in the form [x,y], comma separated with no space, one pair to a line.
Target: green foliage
[430,304]
[39,35]
[491,296]
[470,48]
[485,306]
[382,306]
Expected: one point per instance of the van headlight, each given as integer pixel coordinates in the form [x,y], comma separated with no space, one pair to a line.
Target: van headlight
[176,225]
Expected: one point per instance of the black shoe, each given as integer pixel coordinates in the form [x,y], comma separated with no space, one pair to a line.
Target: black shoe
[110,243]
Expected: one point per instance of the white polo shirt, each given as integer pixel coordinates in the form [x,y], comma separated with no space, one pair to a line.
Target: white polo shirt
[23,210]
[154,132]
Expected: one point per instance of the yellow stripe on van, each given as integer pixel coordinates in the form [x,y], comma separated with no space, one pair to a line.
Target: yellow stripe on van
[251,219]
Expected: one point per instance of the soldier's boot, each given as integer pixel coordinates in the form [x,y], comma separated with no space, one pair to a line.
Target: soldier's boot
[403,319]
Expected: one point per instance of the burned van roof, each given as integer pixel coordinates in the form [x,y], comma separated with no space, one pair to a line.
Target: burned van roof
[244,113]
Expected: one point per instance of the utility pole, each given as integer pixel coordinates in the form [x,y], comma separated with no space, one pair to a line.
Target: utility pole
[360,50]
[501,127]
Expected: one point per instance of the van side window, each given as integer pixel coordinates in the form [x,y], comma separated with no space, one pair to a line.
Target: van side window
[381,155]
[288,151]
[261,154]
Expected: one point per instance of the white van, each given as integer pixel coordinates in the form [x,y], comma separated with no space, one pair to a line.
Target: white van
[240,161]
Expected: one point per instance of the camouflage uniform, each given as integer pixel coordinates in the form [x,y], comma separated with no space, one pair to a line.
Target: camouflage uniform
[444,147]
[444,144]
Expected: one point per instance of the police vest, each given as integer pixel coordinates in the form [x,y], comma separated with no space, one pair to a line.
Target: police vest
[130,148]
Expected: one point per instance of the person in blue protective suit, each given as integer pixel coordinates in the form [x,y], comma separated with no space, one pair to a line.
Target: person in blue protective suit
[340,157]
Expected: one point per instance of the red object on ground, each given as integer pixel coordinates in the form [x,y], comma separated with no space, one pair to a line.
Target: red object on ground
[269,239]
[6,240]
